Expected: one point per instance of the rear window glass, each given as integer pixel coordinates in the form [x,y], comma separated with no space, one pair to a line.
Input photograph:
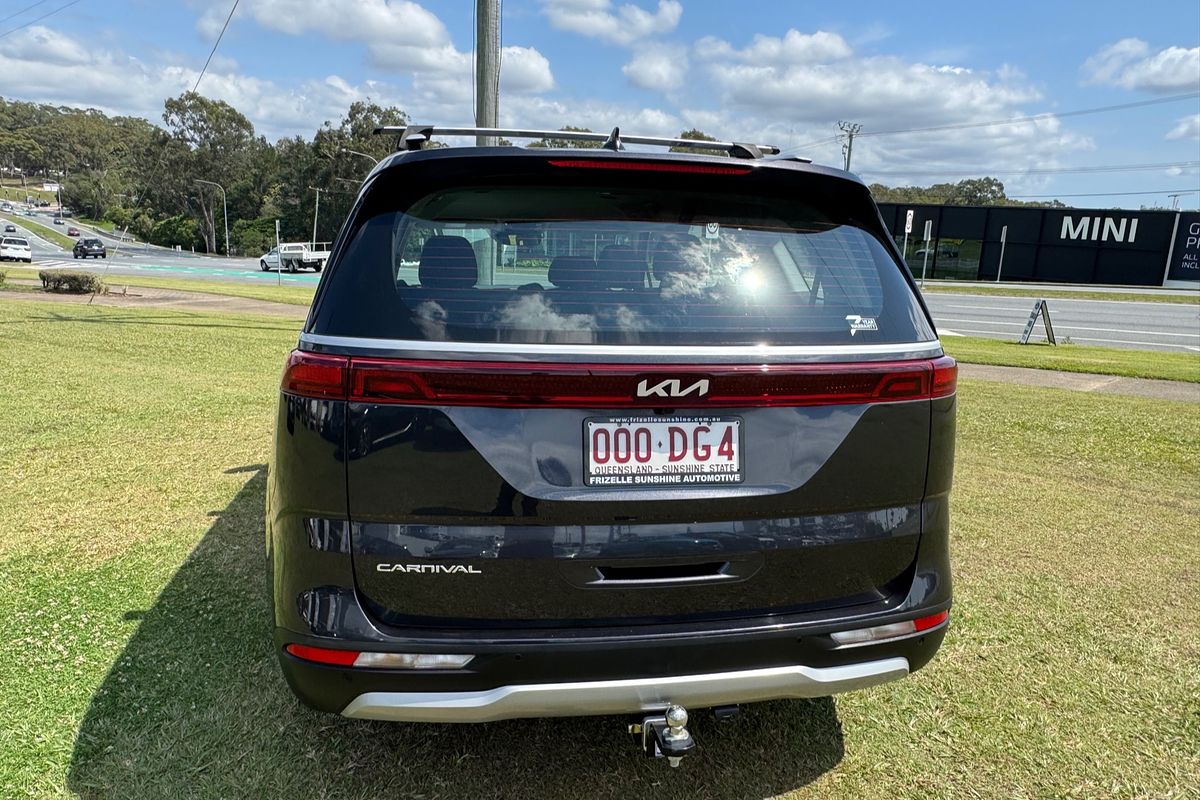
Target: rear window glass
[616,264]
[18,242]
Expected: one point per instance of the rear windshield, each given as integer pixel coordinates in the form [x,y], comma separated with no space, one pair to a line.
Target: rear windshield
[17,242]
[634,261]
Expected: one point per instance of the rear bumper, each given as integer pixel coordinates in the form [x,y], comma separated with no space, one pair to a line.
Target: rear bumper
[545,678]
[623,696]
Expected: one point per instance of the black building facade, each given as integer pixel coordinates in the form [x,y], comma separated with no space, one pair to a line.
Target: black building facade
[1057,245]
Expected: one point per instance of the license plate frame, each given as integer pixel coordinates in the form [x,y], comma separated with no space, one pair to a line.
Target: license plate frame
[644,475]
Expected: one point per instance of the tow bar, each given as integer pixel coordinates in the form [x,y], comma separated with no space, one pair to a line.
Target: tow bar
[666,735]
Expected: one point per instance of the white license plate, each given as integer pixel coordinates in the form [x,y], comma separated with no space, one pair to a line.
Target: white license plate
[667,451]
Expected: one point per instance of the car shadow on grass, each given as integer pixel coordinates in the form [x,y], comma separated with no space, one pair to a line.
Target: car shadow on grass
[195,706]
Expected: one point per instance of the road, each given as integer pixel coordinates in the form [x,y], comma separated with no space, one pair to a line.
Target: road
[142,259]
[1133,324]
[1171,327]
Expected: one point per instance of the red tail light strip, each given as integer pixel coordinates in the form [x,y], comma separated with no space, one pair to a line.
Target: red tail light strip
[650,166]
[520,385]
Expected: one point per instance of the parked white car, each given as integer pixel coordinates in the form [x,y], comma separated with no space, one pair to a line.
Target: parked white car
[15,248]
[292,256]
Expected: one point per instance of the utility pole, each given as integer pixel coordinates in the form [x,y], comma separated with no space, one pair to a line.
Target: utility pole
[851,129]
[487,68]
[1175,200]
[316,210]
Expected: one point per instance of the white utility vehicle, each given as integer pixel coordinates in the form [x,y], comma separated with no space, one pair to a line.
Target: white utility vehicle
[293,256]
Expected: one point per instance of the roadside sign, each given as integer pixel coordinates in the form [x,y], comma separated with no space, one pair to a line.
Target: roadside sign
[908,221]
[928,229]
[1003,239]
[1040,309]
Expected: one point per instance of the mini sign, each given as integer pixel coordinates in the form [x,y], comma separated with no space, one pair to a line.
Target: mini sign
[1040,309]
[908,221]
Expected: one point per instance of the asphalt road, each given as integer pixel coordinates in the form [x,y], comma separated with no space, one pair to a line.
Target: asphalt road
[1115,323]
[1111,323]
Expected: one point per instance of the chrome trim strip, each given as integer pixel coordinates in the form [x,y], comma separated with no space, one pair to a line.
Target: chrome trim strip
[624,696]
[737,354]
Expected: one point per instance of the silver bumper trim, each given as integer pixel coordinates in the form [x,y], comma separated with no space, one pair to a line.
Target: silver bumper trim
[623,696]
[582,353]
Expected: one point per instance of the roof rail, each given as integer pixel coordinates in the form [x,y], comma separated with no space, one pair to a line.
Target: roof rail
[413,137]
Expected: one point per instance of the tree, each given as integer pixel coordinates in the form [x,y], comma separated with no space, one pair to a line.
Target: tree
[561,143]
[697,136]
[218,141]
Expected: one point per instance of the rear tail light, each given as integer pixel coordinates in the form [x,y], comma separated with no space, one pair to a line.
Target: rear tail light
[893,630]
[519,385]
[355,658]
[313,375]
[945,376]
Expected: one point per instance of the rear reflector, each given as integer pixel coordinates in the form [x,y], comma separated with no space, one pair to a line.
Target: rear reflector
[353,658]
[511,384]
[323,655]
[650,166]
[894,630]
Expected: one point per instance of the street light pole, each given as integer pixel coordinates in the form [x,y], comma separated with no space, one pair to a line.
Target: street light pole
[374,160]
[316,210]
[224,209]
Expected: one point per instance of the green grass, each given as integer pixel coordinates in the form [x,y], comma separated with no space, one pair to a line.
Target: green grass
[290,295]
[136,660]
[1075,358]
[1165,296]
[47,233]
[10,189]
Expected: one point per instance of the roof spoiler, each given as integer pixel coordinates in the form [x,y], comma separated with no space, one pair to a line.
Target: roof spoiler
[413,137]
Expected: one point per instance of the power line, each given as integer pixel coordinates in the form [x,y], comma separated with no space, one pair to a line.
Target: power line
[39,19]
[213,52]
[1167,192]
[23,10]
[1175,98]
[1039,171]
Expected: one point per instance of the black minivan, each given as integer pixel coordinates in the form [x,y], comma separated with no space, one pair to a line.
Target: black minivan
[596,431]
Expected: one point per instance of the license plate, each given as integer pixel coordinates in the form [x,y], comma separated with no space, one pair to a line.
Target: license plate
[668,451]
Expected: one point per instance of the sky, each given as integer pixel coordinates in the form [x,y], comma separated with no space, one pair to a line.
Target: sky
[782,72]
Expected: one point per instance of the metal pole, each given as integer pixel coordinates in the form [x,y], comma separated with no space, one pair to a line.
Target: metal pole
[374,160]
[316,210]
[224,209]
[924,263]
[850,129]
[278,258]
[1003,239]
[487,68]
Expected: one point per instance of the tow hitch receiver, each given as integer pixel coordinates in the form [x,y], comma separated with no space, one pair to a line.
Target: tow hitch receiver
[666,735]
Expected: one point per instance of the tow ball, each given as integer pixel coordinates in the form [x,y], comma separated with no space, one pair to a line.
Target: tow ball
[666,736]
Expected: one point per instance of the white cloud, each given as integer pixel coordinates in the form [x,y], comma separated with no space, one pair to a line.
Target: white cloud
[1130,64]
[629,23]
[400,37]
[1188,128]
[794,48]
[120,84]
[658,68]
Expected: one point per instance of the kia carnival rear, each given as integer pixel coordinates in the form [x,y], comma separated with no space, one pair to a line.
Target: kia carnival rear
[577,432]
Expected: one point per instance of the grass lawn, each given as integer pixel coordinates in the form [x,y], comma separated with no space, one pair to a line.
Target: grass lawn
[136,660]
[11,189]
[47,233]
[292,295]
[1165,296]
[1075,358]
